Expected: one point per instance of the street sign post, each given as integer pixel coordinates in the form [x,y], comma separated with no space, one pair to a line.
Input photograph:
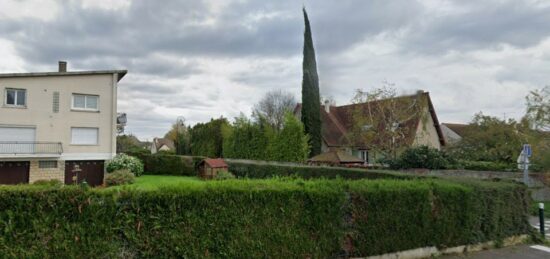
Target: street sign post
[524,161]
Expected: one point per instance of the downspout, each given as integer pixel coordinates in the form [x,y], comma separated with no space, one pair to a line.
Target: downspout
[114,114]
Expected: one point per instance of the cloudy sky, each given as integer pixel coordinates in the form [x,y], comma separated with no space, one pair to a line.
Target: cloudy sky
[211,58]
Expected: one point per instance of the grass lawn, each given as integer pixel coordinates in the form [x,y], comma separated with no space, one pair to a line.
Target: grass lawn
[151,182]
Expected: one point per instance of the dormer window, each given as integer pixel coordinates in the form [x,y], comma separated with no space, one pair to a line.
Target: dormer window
[16,97]
[85,102]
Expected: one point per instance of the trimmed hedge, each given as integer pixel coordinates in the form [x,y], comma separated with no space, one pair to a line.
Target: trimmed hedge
[169,165]
[258,218]
[261,170]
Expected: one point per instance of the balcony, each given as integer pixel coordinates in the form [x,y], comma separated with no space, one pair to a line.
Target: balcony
[25,149]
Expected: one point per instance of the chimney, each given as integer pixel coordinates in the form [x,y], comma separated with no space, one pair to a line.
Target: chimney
[62,66]
[327,106]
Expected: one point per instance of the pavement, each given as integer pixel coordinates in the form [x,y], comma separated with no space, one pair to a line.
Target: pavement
[514,252]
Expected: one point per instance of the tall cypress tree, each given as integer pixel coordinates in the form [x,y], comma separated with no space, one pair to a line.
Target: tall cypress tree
[311,103]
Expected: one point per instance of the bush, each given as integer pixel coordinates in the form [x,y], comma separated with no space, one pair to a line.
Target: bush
[258,218]
[123,161]
[224,175]
[261,169]
[169,165]
[53,182]
[485,166]
[420,157]
[119,177]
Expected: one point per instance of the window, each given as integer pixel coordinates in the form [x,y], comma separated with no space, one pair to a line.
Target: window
[47,164]
[16,97]
[84,136]
[85,102]
[364,155]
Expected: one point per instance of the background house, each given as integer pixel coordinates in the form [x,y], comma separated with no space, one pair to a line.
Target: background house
[453,132]
[162,144]
[57,125]
[339,124]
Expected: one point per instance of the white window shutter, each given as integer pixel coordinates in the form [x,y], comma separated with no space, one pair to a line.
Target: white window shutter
[84,136]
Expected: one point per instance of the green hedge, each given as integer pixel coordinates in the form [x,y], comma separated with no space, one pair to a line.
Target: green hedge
[169,165]
[257,218]
[260,170]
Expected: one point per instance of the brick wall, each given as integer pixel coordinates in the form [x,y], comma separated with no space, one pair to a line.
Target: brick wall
[36,173]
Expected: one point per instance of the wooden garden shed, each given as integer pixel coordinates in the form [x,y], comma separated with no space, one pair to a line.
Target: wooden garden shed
[209,168]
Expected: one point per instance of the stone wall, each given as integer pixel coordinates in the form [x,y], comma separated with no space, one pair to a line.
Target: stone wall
[36,173]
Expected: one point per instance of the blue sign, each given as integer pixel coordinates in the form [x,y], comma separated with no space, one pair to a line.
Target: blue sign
[527,150]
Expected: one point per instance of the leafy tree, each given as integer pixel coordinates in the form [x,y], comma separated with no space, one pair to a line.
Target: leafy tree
[538,108]
[207,138]
[247,140]
[291,144]
[491,139]
[381,120]
[179,133]
[311,102]
[272,108]
[127,143]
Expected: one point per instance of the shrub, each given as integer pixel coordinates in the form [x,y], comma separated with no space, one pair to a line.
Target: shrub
[485,166]
[123,161]
[261,169]
[169,165]
[53,182]
[224,175]
[258,218]
[420,157]
[119,177]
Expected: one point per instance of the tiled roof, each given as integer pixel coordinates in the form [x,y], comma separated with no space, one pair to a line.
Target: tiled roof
[159,142]
[459,129]
[215,162]
[339,121]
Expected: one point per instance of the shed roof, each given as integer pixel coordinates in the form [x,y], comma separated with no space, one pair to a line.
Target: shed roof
[215,162]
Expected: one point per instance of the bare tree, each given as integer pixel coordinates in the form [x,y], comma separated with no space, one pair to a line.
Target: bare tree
[382,120]
[273,106]
[538,108]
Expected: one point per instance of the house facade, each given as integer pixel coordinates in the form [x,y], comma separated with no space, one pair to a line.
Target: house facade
[57,125]
[338,125]
[162,144]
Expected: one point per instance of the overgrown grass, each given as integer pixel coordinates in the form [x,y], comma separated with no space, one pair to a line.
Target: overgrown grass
[152,182]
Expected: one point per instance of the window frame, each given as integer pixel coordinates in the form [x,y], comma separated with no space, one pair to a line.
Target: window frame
[15,104]
[84,144]
[86,96]
[41,164]
[364,155]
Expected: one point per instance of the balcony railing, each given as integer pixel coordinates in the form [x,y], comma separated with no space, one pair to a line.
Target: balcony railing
[30,148]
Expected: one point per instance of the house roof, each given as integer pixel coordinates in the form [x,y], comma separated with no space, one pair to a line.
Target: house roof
[159,142]
[337,124]
[459,129]
[215,162]
[335,157]
[120,73]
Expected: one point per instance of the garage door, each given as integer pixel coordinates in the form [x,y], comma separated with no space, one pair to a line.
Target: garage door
[17,134]
[91,171]
[14,172]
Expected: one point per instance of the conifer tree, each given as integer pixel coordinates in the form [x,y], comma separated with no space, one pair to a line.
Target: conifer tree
[311,103]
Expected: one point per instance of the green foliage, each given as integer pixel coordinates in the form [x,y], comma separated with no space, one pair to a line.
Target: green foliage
[53,182]
[391,216]
[421,157]
[169,165]
[128,143]
[123,161]
[311,100]
[247,140]
[282,218]
[224,175]
[258,141]
[538,108]
[291,144]
[180,135]
[207,138]
[485,166]
[261,170]
[119,177]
